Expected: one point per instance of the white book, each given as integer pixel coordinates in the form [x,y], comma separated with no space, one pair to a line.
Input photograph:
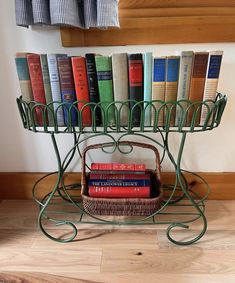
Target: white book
[185,71]
[120,84]
[211,84]
[55,86]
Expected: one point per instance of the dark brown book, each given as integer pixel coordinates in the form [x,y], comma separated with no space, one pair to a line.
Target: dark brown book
[197,84]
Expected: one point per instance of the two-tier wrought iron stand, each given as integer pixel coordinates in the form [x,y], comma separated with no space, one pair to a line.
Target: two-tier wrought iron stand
[63,205]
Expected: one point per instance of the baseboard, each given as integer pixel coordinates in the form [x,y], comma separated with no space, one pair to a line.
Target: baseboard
[19,185]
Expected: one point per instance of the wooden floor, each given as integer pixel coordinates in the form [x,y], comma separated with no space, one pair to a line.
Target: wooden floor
[115,254]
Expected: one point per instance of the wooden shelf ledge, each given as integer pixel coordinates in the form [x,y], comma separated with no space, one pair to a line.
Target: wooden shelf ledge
[161,21]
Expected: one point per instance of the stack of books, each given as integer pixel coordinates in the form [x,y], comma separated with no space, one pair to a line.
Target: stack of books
[50,78]
[119,180]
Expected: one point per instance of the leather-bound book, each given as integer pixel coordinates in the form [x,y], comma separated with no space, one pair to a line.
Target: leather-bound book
[197,85]
[68,94]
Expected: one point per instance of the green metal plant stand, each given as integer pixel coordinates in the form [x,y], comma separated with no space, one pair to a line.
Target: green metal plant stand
[182,206]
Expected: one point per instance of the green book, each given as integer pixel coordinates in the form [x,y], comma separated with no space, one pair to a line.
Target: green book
[47,87]
[105,85]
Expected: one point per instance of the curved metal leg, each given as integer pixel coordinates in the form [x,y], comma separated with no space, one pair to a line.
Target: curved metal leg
[61,191]
[46,201]
[186,192]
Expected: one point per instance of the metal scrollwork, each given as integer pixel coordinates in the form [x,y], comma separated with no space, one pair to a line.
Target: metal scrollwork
[63,204]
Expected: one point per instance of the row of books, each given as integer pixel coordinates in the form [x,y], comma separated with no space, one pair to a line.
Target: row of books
[118,180]
[94,78]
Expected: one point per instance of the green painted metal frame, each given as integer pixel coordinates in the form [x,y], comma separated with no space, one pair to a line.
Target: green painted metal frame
[63,205]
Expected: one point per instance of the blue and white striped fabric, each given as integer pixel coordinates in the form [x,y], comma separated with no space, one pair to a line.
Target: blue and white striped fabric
[24,12]
[41,13]
[90,13]
[75,13]
[64,12]
[107,13]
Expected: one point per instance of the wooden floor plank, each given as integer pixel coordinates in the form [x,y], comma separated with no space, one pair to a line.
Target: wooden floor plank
[18,221]
[17,238]
[212,240]
[154,277]
[88,238]
[33,277]
[51,260]
[108,253]
[168,261]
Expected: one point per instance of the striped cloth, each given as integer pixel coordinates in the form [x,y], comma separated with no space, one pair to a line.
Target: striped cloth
[75,13]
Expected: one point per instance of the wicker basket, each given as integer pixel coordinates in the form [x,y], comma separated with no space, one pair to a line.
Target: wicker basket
[123,206]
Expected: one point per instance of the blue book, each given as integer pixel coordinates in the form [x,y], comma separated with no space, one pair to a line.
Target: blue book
[211,83]
[119,183]
[148,58]
[172,77]
[158,89]
[68,93]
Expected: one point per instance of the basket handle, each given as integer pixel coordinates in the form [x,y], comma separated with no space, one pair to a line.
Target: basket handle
[109,144]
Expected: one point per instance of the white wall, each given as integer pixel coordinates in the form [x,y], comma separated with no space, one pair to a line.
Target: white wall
[24,151]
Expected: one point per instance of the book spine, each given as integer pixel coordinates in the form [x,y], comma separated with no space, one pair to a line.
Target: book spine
[212,79]
[158,89]
[136,87]
[120,83]
[118,166]
[24,78]
[104,176]
[35,73]
[68,94]
[81,87]
[197,84]
[47,88]
[186,62]
[119,183]
[105,85]
[55,87]
[93,85]
[172,76]
[119,192]
[148,66]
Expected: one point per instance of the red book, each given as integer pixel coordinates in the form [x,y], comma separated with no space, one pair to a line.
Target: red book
[81,87]
[35,72]
[106,176]
[118,167]
[119,192]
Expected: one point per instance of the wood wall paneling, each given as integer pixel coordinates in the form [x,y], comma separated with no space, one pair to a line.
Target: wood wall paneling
[161,21]
[19,185]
